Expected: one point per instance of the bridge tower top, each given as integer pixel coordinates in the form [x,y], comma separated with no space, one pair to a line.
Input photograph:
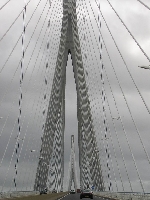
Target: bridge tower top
[69,5]
[69,1]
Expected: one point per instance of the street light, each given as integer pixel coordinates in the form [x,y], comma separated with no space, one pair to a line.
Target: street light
[32,150]
[116,118]
[145,67]
[105,138]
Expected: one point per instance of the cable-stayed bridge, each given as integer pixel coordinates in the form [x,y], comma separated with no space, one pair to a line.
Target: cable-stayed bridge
[74,67]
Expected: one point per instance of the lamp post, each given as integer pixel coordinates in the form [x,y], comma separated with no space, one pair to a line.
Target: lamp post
[116,118]
[32,150]
[105,138]
[145,67]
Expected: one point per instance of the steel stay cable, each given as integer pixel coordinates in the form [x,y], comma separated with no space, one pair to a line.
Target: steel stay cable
[84,37]
[41,135]
[10,135]
[84,43]
[105,119]
[26,67]
[129,32]
[17,146]
[125,97]
[13,22]
[96,59]
[121,120]
[85,177]
[8,144]
[117,136]
[136,129]
[18,39]
[20,62]
[118,168]
[105,147]
[4,4]
[16,149]
[8,141]
[48,79]
[110,156]
[44,112]
[126,100]
[143,4]
[36,40]
[34,117]
[116,131]
[125,64]
[103,98]
[10,161]
[28,122]
[34,99]
[83,150]
[36,28]
[108,125]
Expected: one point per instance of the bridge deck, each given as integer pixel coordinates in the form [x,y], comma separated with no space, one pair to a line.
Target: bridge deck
[51,196]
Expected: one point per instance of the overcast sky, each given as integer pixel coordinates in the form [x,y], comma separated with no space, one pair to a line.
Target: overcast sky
[135,129]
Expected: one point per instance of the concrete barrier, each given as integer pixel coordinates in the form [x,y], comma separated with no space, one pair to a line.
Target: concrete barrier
[123,196]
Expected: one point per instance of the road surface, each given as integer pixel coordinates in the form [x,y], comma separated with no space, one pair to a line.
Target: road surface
[77,197]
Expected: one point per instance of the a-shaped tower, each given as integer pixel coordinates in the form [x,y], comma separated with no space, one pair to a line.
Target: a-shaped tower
[90,169]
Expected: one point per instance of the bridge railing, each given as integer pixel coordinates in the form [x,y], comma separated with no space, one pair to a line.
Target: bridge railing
[12,194]
[124,196]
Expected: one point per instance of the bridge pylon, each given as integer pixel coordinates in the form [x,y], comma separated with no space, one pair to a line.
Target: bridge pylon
[73,175]
[89,163]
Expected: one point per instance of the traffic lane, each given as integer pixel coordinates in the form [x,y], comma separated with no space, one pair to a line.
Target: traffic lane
[77,197]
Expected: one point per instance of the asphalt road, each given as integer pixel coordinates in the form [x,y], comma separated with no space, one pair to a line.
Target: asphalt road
[77,197]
